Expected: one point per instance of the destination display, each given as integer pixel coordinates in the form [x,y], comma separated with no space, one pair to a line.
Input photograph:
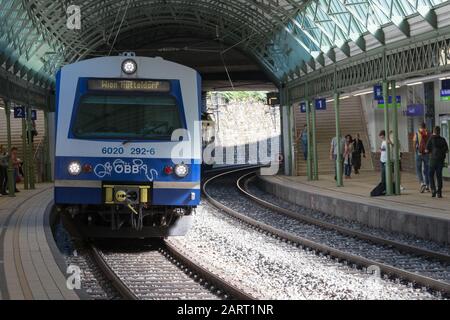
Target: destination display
[445,95]
[398,99]
[129,85]
[445,91]
[415,110]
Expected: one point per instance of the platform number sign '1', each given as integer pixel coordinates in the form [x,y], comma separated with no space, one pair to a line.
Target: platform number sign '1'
[321,104]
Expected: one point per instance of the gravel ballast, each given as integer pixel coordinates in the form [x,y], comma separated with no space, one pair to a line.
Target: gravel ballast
[270,269]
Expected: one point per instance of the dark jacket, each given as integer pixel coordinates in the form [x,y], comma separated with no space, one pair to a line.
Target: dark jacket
[4,159]
[358,148]
[438,148]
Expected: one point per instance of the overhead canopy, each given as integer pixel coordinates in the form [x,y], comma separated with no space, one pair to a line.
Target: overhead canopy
[286,38]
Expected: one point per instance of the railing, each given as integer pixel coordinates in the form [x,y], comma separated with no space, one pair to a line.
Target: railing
[406,60]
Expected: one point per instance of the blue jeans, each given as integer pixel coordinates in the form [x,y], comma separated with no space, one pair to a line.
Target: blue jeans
[422,168]
[305,149]
[348,170]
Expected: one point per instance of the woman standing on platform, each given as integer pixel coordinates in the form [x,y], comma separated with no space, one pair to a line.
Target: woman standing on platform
[348,153]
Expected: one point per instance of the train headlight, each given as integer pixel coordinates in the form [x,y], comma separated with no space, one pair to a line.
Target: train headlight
[129,66]
[181,170]
[74,168]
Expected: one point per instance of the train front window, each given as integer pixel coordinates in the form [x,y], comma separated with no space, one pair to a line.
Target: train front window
[127,118]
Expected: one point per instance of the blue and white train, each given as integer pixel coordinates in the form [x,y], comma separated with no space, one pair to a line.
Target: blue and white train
[128,146]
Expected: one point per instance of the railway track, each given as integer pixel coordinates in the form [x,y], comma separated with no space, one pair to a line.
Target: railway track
[161,273]
[417,266]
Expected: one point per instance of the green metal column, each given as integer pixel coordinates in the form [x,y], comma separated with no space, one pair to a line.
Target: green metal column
[309,169]
[25,166]
[31,165]
[397,174]
[288,141]
[389,189]
[448,128]
[48,164]
[339,178]
[293,136]
[315,162]
[11,189]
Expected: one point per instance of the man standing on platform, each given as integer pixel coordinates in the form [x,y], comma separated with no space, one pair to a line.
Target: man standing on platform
[437,148]
[358,150]
[334,153]
[383,156]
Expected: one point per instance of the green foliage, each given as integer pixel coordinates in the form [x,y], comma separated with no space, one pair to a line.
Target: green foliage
[244,96]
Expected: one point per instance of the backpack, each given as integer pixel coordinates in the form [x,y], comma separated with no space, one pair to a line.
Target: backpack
[422,146]
[380,190]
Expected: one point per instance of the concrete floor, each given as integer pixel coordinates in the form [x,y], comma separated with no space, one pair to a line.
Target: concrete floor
[361,186]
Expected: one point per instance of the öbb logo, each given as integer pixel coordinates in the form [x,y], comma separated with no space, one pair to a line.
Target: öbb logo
[120,167]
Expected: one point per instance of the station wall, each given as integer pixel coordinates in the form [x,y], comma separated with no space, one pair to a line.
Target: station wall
[245,123]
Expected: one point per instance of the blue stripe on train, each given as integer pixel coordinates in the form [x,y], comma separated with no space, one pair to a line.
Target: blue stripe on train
[94,196]
[125,170]
[175,197]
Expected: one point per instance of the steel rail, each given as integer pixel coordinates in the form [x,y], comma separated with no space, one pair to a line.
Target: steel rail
[242,185]
[125,292]
[169,251]
[234,292]
[327,250]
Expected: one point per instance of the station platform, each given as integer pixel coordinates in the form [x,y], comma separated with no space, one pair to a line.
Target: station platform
[30,263]
[412,213]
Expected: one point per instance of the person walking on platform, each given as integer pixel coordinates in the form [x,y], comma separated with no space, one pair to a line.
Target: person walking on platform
[334,153]
[422,158]
[303,140]
[437,148]
[3,170]
[358,150]
[348,152]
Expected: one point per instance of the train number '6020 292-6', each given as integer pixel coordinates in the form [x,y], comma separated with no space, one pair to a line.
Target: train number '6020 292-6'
[133,151]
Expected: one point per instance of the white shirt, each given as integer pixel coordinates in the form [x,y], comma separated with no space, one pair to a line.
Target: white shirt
[383,148]
[334,146]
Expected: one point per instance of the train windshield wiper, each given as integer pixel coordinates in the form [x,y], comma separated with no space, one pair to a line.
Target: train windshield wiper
[126,142]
